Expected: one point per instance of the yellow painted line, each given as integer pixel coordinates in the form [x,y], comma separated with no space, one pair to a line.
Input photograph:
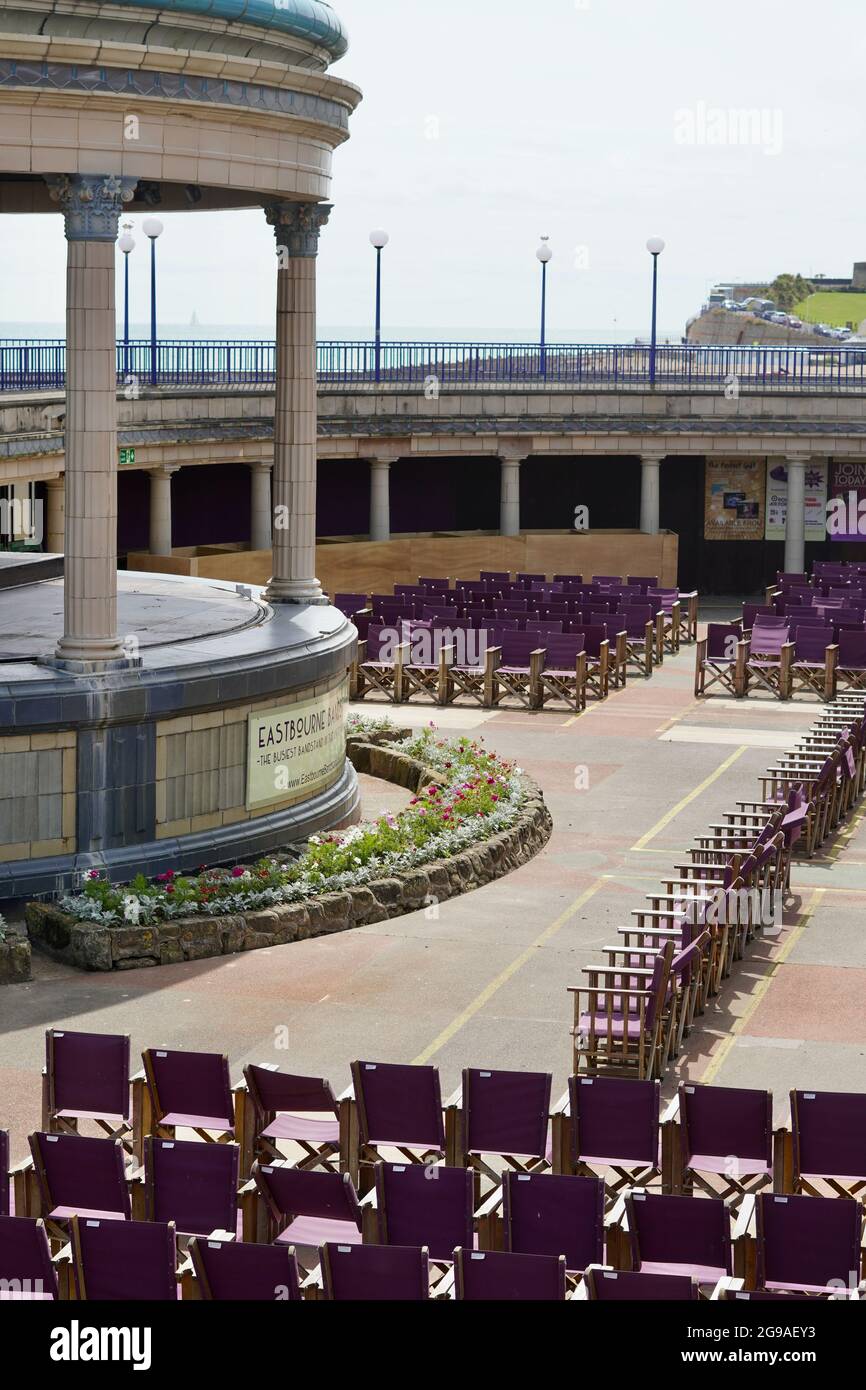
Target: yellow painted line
[505,975]
[687,800]
[696,704]
[760,993]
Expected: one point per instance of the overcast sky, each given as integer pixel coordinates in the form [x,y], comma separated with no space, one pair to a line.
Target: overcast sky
[487,123]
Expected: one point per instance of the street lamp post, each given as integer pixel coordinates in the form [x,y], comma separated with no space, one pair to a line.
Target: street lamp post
[655,246]
[153,229]
[545,255]
[127,245]
[379,239]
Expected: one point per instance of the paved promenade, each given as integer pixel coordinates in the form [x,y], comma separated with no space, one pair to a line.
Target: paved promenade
[482,981]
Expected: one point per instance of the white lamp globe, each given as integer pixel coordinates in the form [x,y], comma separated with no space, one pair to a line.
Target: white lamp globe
[152,227]
[544,253]
[379,239]
[655,246]
[126,243]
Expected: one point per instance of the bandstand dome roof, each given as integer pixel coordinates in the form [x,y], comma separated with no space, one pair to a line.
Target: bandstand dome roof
[304,19]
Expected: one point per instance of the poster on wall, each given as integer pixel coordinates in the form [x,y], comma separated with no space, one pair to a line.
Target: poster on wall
[296,750]
[816,483]
[846,508]
[734,499]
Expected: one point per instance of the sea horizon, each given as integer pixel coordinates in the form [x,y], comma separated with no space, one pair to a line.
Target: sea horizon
[245,332]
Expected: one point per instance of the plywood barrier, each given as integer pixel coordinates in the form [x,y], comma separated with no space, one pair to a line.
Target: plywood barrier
[375,566]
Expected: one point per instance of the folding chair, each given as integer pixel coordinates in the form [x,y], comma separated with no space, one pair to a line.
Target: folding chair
[678,1235]
[505,1114]
[192,1185]
[611,1128]
[490,1276]
[619,1286]
[225,1271]
[27,1272]
[86,1077]
[397,1107]
[768,657]
[720,659]
[668,602]
[298,1110]
[803,1244]
[546,1214]
[350,604]
[723,1144]
[184,1090]
[472,670]
[411,1207]
[813,663]
[379,664]
[517,670]
[127,1261]
[598,660]
[619,1027]
[375,1273]
[851,661]
[617,643]
[77,1176]
[643,649]
[301,1207]
[425,670]
[828,1144]
[563,675]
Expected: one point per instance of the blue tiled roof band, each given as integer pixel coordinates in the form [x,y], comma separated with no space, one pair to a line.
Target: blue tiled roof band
[304,19]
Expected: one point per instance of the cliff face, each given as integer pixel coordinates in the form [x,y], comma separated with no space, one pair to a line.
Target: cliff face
[721,328]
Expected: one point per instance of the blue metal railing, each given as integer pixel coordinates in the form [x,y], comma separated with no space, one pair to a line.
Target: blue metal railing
[33,365]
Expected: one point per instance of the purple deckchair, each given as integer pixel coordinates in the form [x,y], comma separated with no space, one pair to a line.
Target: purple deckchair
[615,1123]
[227,1271]
[563,675]
[496,576]
[350,604]
[80,1176]
[679,1235]
[643,582]
[189,1090]
[375,1273]
[414,1207]
[554,1214]
[400,1107]
[309,1207]
[851,667]
[194,1185]
[727,1133]
[4,1173]
[129,1261]
[26,1270]
[717,660]
[493,1276]
[813,664]
[575,580]
[829,1138]
[86,1077]
[807,1243]
[618,1286]
[505,1112]
[301,1110]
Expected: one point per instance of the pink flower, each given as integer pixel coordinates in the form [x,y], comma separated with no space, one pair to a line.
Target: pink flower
[238,872]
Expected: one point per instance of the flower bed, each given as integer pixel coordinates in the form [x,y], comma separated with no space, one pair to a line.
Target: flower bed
[473,816]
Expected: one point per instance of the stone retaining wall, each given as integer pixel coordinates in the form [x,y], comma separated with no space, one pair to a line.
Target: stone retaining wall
[94,947]
[14,960]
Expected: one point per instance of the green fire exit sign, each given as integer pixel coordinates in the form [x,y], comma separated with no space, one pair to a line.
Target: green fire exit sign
[127,456]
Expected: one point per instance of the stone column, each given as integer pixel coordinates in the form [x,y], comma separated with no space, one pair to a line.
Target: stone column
[92,205]
[509,494]
[55,504]
[650,493]
[160,510]
[297,227]
[795,520]
[261,511]
[380,499]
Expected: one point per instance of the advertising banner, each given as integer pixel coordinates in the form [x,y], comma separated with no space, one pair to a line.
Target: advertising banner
[816,500]
[297,750]
[734,500]
[846,509]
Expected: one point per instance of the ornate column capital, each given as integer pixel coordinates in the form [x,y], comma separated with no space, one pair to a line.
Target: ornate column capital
[297,225]
[91,203]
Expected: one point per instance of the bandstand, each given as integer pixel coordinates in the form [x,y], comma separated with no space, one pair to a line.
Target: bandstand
[158,722]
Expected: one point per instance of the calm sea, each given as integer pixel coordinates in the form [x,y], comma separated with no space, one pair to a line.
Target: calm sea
[237,332]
